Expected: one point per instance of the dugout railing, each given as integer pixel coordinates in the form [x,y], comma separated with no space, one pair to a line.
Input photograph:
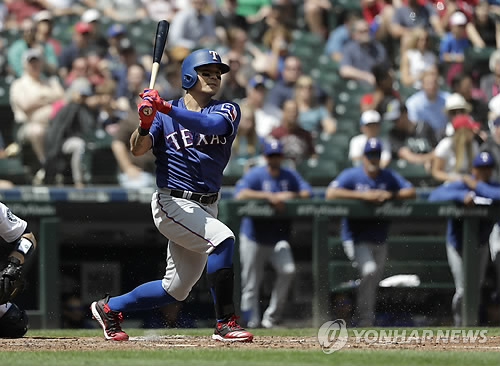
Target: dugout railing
[55,212]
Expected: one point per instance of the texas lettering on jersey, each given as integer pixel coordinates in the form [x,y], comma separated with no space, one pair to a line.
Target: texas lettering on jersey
[184,138]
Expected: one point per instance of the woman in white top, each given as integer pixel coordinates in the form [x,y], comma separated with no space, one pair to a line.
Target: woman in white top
[416,58]
[453,155]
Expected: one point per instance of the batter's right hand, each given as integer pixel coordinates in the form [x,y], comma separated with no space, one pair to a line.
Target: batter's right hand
[152,95]
[148,117]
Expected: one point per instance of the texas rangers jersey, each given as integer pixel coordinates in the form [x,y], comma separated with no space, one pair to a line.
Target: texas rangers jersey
[11,226]
[456,191]
[189,160]
[367,230]
[259,179]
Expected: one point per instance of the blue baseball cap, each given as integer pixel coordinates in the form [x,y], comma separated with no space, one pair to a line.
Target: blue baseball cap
[273,147]
[373,146]
[483,159]
[496,122]
[115,30]
[259,80]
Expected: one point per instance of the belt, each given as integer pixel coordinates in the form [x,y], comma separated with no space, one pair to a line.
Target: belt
[205,198]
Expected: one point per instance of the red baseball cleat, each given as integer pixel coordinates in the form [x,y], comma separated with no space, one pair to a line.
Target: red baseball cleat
[231,331]
[109,320]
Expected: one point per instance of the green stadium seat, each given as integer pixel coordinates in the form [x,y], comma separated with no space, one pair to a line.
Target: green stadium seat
[250,7]
[333,147]
[12,169]
[318,172]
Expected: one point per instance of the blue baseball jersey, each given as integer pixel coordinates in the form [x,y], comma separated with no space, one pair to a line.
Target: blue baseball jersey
[188,160]
[456,191]
[259,179]
[367,230]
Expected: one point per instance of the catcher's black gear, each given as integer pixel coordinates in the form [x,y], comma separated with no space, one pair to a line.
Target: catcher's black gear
[11,281]
[14,323]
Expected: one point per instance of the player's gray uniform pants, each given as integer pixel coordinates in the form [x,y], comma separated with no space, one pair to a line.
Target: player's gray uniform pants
[193,232]
[370,259]
[253,257]
[456,266]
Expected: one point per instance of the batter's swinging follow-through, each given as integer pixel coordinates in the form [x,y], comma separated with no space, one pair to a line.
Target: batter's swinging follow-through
[191,138]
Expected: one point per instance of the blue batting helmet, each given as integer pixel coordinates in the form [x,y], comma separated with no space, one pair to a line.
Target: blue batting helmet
[196,59]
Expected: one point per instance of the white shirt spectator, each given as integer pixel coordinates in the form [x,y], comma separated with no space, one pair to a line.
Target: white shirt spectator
[444,151]
[188,29]
[418,62]
[357,144]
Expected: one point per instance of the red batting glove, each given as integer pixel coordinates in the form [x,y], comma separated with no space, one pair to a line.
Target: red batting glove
[153,96]
[146,119]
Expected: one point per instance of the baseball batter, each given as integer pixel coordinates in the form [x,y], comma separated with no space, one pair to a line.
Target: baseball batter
[20,244]
[471,190]
[261,242]
[365,240]
[191,139]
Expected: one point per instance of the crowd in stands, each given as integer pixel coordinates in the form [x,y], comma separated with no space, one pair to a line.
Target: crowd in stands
[321,76]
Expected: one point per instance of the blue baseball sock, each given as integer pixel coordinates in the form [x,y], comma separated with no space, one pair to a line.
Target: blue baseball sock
[221,257]
[144,297]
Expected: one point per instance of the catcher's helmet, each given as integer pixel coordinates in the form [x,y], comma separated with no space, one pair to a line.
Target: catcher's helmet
[196,59]
[14,323]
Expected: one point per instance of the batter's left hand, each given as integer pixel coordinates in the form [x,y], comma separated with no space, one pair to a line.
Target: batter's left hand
[153,96]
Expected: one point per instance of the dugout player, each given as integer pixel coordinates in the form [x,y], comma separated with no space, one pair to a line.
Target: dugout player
[261,241]
[365,240]
[191,139]
[471,190]
[20,244]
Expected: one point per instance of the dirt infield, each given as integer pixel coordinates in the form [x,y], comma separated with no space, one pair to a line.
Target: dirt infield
[155,342]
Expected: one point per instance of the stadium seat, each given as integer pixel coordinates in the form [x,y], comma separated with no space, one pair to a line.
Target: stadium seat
[12,169]
[249,7]
[318,172]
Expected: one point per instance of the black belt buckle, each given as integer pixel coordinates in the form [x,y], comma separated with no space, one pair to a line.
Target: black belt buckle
[208,199]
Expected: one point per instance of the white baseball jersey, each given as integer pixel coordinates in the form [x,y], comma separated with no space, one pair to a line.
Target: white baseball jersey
[11,226]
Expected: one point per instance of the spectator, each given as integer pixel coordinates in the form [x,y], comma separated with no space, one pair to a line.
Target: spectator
[127,58]
[247,146]
[232,87]
[281,12]
[454,154]
[43,32]
[414,14]
[192,28]
[361,54]
[315,12]
[161,9]
[226,18]
[490,84]
[261,243]
[365,240]
[120,11]
[67,133]
[492,145]
[136,82]
[483,31]
[455,43]
[339,37]
[31,98]
[384,91]
[17,49]
[462,84]
[468,190]
[379,14]
[277,40]
[79,69]
[267,116]
[313,117]
[297,143]
[455,104]
[370,128]
[416,58]
[428,104]
[283,89]
[413,142]
[23,9]
[96,39]
[136,172]
[115,34]
[78,48]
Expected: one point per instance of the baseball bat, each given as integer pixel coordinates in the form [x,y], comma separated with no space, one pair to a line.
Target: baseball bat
[160,40]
